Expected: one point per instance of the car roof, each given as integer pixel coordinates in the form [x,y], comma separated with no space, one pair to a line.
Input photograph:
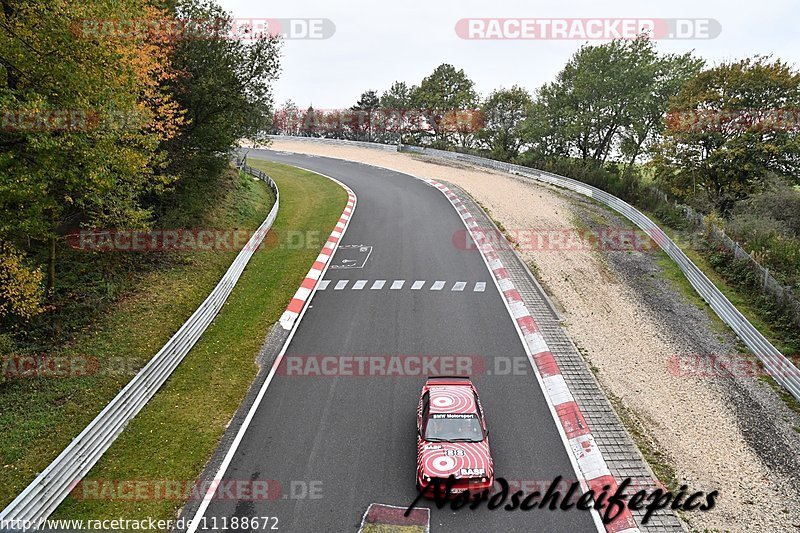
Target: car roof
[452,398]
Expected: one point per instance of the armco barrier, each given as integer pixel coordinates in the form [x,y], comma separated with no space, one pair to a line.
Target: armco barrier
[50,488]
[776,365]
[323,140]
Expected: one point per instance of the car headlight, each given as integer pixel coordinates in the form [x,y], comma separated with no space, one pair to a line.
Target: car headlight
[483,479]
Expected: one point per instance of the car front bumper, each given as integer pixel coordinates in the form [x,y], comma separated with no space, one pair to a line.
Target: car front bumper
[474,487]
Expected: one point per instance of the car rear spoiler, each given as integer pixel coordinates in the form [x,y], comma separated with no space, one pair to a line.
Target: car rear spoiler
[450,380]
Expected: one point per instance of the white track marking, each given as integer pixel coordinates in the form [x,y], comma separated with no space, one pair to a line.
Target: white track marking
[201,510]
[458,286]
[570,453]
[232,450]
[559,428]
[500,288]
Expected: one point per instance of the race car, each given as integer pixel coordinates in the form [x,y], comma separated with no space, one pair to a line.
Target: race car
[452,437]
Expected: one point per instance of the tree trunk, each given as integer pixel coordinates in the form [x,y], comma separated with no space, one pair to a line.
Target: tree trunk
[51,266]
[12,74]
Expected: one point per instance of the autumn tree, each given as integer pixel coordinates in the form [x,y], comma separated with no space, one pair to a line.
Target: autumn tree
[225,86]
[21,294]
[503,113]
[312,122]
[667,74]
[286,119]
[84,111]
[363,113]
[397,97]
[607,101]
[445,91]
[397,114]
[730,127]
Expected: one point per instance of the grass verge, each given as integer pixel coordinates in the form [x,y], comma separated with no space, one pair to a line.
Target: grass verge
[173,437]
[175,434]
[390,528]
[659,462]
[736,296]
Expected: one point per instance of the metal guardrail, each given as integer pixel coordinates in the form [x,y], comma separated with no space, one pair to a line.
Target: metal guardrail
[53,484]
[323,140]
[781,369]
[770,286]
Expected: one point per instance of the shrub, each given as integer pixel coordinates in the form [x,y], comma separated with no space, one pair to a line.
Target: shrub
[21,291]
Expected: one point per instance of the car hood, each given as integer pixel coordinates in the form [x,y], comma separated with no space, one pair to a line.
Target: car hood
[461,459]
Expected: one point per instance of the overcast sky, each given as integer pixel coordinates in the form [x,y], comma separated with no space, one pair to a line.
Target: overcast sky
[376,43]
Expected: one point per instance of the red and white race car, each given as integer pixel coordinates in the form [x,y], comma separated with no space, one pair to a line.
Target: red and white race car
[452,437]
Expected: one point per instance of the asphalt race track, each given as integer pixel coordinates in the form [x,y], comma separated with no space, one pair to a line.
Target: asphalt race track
[335,444]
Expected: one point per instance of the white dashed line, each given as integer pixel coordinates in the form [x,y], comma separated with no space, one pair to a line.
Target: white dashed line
[399,284]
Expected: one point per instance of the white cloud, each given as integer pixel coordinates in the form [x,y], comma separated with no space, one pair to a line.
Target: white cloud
[377,43]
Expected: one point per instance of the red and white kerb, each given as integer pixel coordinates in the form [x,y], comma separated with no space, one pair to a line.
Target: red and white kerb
[302,295]
[589,458]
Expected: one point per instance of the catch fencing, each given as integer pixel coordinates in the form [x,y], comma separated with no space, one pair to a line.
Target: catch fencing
[769,285]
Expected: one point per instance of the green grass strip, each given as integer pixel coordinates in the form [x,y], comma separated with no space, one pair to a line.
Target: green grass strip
[175,434]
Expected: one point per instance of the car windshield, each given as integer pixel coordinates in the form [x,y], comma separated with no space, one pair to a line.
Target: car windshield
[454,427]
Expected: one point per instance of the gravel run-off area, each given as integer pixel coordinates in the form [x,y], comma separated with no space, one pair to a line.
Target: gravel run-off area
[642,337]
